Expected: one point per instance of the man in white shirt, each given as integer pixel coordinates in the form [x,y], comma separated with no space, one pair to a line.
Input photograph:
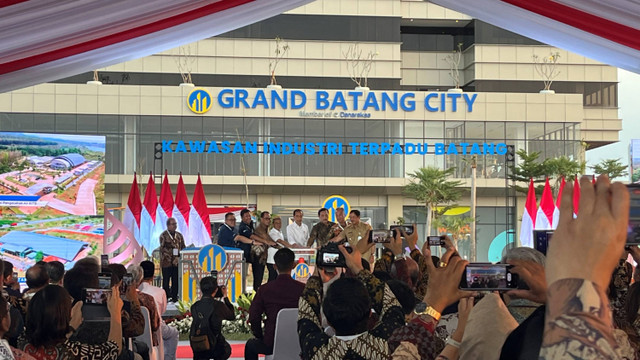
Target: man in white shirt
[297,232]
[169,334]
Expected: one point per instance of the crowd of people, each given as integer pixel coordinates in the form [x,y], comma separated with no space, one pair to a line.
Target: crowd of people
[578,302]
[66,315]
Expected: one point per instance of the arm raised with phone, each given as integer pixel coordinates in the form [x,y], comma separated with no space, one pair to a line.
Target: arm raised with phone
[578,319]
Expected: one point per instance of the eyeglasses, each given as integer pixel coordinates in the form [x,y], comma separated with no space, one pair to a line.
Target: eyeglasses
[267,218]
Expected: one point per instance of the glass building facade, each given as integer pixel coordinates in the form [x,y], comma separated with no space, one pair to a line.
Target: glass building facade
[131,142]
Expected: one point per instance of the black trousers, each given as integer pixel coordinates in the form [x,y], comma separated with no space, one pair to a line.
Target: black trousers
[170,273]
[255,347]
[273,274]
[258,274]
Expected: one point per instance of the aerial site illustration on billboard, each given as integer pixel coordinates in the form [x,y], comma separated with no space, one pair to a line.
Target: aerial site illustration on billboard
[51,197]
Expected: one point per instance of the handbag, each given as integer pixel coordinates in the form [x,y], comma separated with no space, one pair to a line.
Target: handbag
[201,337]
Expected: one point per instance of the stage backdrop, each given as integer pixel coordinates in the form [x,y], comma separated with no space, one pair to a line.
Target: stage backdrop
[51,197]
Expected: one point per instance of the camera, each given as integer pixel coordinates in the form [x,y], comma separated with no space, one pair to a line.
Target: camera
[407,229]
[95,296]
[541,240]
[330,256]
[633,229]
[488,277]
[435,240]
[127,279]
[381,236]
[104,281]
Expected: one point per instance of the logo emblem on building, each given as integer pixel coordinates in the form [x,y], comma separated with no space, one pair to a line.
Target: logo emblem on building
[199,101]
[212,257]
[334,202]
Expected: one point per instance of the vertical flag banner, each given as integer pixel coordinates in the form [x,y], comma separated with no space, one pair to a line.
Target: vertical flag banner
[165,207]
[528,217]
[544,217]
[199,223]
[556,210]
[181,210]
[131,219]
[148,237]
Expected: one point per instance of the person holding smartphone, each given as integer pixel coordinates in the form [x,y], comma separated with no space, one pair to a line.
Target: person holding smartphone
[171,243]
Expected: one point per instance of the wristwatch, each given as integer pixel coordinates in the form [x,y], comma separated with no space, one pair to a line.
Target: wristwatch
[423,309]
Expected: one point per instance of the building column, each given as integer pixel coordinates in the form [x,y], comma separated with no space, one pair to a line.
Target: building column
[394,208]
[264,202]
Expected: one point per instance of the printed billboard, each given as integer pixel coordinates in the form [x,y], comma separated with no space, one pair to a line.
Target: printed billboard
[51,197]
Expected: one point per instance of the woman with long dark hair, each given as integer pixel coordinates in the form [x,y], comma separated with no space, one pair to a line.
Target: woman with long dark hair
[51,320]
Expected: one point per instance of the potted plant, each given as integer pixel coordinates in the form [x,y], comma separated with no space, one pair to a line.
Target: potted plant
[454,67]
[547,68]
[96,79]
[279,53]
[359,66]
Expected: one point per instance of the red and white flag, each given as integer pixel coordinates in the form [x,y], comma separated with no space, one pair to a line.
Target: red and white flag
[576,197]
[181,210]
[165,207]
[149,237]
[131,219]
[544,217]
[528,217]
[556,210]
[199,223]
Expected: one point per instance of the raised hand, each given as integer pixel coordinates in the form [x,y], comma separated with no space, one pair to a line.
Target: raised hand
[533,274]
[442,289]
[589,247]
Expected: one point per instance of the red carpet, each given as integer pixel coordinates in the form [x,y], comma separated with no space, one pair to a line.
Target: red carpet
[184,352]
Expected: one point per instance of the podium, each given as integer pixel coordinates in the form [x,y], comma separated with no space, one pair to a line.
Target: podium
[196,263]
[309,255]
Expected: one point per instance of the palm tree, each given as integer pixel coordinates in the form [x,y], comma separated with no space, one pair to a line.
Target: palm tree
[429,186]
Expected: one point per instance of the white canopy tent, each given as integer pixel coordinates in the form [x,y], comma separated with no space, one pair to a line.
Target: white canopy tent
[45,40]
[607,31]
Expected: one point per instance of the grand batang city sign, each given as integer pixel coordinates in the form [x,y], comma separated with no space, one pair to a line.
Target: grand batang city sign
[340,104]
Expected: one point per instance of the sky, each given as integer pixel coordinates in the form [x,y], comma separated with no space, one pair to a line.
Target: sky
[85,138]
[628,96]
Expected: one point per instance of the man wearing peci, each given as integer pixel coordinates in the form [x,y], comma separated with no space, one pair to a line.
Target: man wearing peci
[171,243]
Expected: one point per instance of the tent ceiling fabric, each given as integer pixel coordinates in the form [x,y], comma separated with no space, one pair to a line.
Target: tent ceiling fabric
[45,40]
[607,31]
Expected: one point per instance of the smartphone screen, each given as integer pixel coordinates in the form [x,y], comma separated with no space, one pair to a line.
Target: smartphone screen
[104,260]
[488,277]
[96,296]
[541,240]
[104,281]
[330,258]
[435,241]
[633,230]
[407,229]
[380,236]
[127,279]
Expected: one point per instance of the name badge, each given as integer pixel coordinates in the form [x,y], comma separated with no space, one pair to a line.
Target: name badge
[175,252]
